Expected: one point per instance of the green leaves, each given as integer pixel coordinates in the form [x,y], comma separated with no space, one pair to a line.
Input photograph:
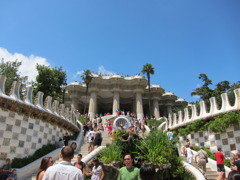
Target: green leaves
[50,81]
[111,153]
[218,124]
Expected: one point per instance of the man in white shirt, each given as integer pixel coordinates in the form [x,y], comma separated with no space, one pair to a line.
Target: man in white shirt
[64,170]
[90,137]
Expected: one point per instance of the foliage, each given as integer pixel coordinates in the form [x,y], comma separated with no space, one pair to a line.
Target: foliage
[148,70]
[82,119]
[87,78]
[223,121]
[20,162]
[193,127]
[11,71]
[205,92]
[156,148]
[217,124]
[152,122]
[112,153]
[50,81]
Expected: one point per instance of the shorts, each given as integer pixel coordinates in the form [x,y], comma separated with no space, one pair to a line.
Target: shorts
[220,168]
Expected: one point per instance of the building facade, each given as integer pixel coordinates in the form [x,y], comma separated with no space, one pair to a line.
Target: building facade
[107,94]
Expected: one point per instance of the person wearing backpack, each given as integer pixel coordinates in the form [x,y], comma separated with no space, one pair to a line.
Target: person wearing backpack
[90,136]
[98,138]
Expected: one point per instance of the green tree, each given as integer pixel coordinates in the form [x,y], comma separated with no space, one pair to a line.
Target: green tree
[148,70]
[87,78]
[50,81]
[204,92]
[10,69]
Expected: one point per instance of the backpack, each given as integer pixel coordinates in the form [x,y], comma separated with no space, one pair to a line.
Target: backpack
[98,136]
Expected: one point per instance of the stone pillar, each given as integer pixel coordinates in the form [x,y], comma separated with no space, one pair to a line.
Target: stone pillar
[115,103]
[74,103]
[156,108]
[169,109]
[92,105]
[139,105]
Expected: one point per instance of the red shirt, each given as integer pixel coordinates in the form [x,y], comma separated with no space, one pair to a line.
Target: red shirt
[219,158]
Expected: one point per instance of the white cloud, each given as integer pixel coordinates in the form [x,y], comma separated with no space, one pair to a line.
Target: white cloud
[78,74]
[28,67]
[103,71]
[198,85]
[196,97]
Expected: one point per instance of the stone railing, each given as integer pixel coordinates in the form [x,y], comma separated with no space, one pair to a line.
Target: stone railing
[26,126]
[179,120]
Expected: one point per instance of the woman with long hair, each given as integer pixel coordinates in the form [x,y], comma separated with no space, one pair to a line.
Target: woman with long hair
[45,163]
[97,171]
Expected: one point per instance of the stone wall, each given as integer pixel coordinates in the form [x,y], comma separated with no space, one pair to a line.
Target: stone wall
[229,141]
[181,119]
[26,126]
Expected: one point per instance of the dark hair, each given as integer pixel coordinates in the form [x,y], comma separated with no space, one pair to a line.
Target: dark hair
[80,155]
[219,149]
[96,160]
[129,154]
[234,175]
[43,165]
[147,172]
[67,152]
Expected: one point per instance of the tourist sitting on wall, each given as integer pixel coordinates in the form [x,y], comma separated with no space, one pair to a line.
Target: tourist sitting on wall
[66,138]
[45,163]
[13,175]
[60,143]
[5,170]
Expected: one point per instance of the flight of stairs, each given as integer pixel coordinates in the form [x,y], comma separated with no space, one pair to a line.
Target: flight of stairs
[211,173]
[83,150]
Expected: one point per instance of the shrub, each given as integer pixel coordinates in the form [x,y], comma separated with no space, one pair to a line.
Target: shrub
[111,153]
[82,119]
[21,162]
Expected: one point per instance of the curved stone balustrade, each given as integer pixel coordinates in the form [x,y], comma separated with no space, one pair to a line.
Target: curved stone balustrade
[175,121]
[49,109]
[26,126]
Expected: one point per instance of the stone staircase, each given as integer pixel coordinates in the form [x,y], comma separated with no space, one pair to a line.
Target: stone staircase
[211,173]
[83,150]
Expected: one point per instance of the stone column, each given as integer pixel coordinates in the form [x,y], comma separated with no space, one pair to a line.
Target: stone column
[74,104]
[156,108]
[169,109]
[115,102]
[139,105]
[92,105]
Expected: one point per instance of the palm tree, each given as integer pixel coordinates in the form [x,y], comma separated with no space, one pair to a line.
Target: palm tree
[87,78]
[148,69]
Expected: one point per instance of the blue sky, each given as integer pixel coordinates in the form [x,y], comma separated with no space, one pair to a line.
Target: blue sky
[180,38]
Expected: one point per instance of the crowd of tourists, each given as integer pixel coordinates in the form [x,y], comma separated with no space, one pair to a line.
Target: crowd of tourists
[202,157]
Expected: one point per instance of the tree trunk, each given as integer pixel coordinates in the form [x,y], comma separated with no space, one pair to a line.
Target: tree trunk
[85,104]
[149,97]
